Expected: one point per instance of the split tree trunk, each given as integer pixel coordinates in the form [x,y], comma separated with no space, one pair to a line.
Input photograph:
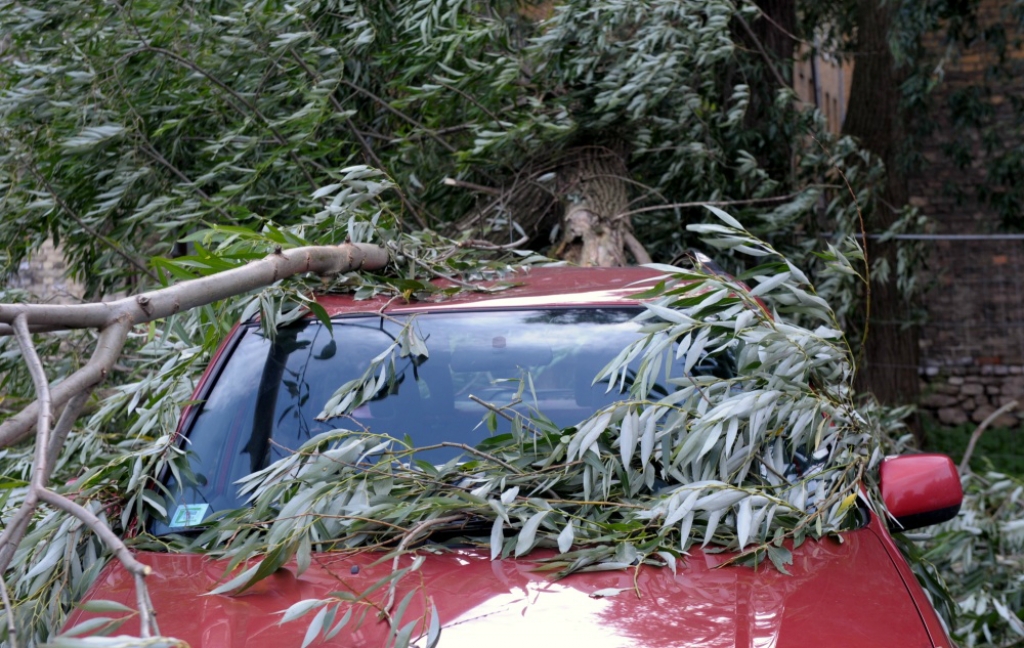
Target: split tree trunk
[596,229]
[583,191]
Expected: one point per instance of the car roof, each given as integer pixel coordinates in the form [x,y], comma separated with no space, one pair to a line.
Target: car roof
[557,286]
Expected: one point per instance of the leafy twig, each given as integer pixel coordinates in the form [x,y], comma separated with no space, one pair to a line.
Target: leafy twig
[487,245]
[91,231]
[12,631]
[713,203]
[364,144]
[966,461]
[407,540]
[769,63]
[398,113]
[470,449]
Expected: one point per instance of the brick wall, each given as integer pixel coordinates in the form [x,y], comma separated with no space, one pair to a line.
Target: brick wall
[972,347]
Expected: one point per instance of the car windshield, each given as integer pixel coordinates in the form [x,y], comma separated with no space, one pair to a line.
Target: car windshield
[265,401]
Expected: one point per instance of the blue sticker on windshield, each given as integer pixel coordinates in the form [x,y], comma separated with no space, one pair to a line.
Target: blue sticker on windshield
[189,515]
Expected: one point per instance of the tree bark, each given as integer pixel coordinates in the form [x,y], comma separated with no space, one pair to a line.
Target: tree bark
[874,116]
[775,31]
[584,191]
[595,228]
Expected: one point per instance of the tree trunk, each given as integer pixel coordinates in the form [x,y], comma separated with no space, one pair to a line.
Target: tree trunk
[583,191]
[776,30]
[890,358]
[595,227]
[770,37]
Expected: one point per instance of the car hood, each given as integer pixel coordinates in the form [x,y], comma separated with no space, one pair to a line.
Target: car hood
[837,594]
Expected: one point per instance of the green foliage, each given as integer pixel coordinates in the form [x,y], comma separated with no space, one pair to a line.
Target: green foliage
[980,555]
[996,451]
[126,129]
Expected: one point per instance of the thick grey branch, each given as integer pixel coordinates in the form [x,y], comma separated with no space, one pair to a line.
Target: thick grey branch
[116,318]
[12,631]
[45,453]
[108,349]
[44,405]
[15,530]
[157,304]
[64,424]
[109,538]
[18,523]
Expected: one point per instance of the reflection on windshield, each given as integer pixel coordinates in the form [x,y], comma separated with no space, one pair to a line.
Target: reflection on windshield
[266,399]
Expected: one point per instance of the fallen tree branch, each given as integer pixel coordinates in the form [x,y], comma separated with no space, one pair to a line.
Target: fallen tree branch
[402,546]
[115,318]
[147,616]
[157,304]
[42,467]
[636,248]
[18,523]
[5,598]
[965,462]
[108,348]
[470,449]
[64,424]
[114,321]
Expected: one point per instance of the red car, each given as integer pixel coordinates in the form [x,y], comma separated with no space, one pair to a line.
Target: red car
[260,398]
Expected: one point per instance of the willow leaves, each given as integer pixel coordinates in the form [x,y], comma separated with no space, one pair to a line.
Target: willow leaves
[735,429]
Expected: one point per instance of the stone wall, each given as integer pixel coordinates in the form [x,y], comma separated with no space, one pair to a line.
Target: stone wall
[964,395]
[972,346]
[44,275]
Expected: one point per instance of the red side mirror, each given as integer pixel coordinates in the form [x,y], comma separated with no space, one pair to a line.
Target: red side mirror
[920,490]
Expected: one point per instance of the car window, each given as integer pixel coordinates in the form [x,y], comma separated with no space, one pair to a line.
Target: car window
[266,399]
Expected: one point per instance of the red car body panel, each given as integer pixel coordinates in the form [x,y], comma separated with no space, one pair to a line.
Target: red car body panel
[858,593]
[544,286]
[852,594]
